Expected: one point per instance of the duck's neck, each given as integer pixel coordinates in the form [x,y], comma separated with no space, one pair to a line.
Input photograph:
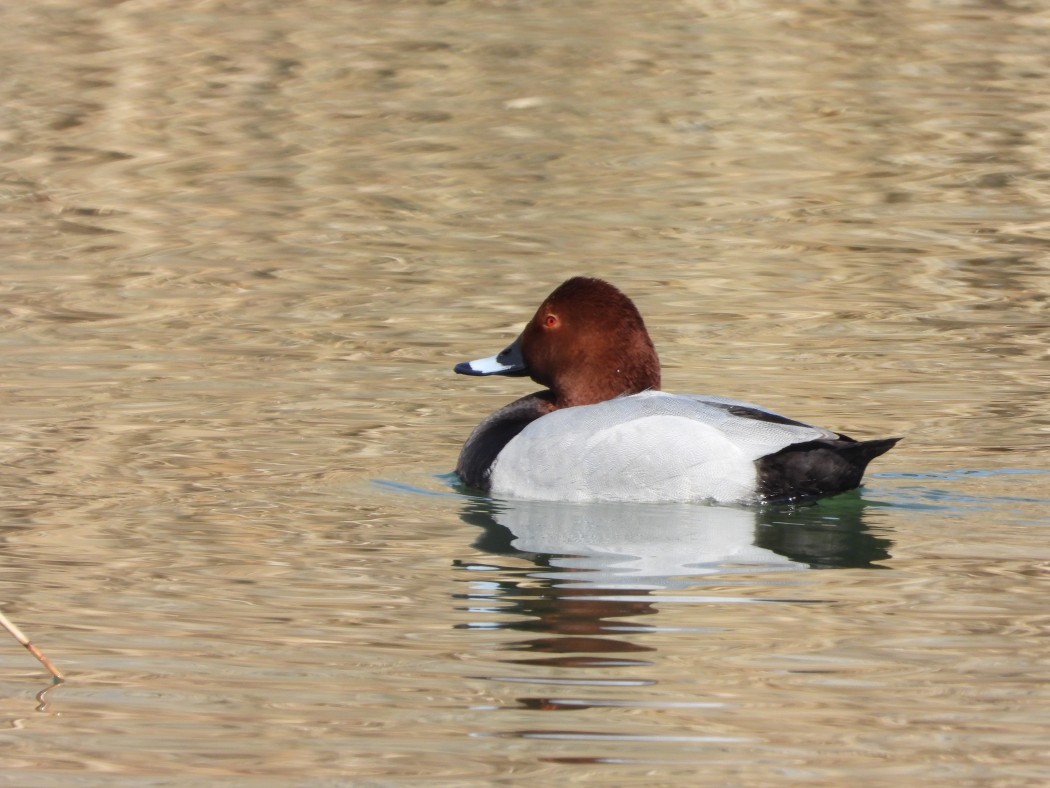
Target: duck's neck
[609,381]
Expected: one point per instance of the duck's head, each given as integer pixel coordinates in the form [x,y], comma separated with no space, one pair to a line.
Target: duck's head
[587,343]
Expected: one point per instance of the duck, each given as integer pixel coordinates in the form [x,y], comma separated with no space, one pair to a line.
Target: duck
[603,430]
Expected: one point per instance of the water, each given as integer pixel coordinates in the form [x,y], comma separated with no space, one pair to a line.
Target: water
[243,247]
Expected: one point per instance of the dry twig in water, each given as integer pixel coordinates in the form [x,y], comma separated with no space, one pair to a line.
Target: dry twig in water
[16,633]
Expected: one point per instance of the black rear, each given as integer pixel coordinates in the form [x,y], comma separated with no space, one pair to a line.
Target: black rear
[816,469]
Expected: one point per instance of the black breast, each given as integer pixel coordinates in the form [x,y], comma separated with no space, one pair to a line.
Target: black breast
[488,438]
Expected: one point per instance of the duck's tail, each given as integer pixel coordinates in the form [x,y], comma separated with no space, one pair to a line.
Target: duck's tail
[817,469]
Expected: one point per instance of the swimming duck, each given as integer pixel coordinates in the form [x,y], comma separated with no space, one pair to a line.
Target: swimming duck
[603,431]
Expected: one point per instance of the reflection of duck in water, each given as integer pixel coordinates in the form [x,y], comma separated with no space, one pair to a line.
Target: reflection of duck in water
[649,546]
[598,570]
[603,430]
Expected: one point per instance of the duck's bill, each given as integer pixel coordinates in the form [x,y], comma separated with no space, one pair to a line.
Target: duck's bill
[508,362]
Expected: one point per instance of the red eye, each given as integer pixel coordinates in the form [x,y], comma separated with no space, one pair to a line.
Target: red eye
[550,321]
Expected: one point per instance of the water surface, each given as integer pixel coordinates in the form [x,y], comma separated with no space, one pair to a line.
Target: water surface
[243,246]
